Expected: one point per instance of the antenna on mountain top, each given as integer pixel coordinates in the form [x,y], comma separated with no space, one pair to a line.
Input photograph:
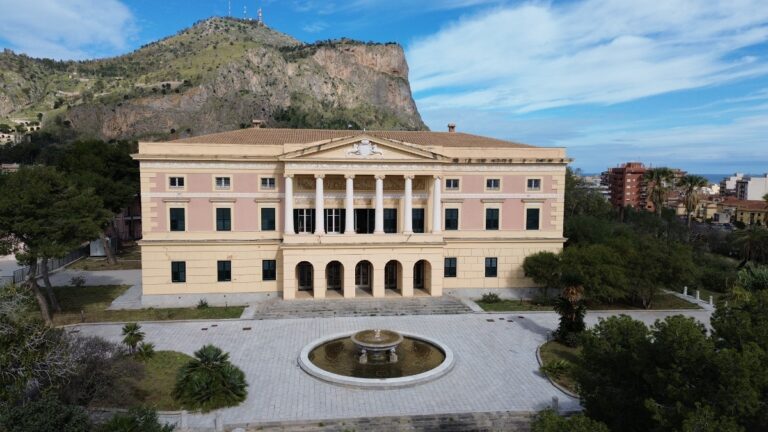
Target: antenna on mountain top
[229,8]
[260,18]
[245,12]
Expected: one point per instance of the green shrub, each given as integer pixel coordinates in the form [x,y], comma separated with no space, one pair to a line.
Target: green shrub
[135,420]
[145,350]
[77,281]
[550,421]
[490,298]
[210,381]
[45,415]
[202,304]
[132,336]
[555,368]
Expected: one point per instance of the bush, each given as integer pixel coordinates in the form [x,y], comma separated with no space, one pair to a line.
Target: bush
[145,351]
[210,381]
[45,415]
[77,281]
[135,420]
[490,298]
[132,335]
[202,304]
[550,421]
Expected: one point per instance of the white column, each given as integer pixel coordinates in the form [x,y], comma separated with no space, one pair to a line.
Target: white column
[379,225]
[437,213]
[288,204]
[349,205]
[319,205]
[408,207]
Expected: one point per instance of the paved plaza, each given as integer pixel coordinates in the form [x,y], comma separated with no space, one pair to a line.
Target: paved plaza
[496,367]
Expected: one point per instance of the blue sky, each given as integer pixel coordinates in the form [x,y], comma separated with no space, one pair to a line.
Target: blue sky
[682,83]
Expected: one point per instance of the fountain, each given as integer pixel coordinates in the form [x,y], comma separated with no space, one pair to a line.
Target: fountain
[376,358]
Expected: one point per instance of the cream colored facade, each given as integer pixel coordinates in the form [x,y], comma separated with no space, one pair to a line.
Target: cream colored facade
[247,198]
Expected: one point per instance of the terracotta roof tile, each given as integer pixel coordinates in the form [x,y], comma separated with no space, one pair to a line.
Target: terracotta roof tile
[267,136]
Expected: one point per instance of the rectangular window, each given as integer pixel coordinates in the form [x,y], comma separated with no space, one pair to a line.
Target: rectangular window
[224,219]
[451,184]
[224,271]
[490,267]
[223,183]
[450,267]
[365,220]
[334,220]
[491,219]
[178,271]
[451,219]
[390,220]
[535,184]
[267,182]
[268,272]
[178,222]
[176,182]
[267,219]
[418,220]
[304,220]
[532,219]
[492,184]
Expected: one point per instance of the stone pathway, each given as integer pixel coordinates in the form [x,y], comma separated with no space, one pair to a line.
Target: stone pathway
[496,368]
[358,307]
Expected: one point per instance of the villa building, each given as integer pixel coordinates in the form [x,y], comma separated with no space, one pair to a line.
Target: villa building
[301,213]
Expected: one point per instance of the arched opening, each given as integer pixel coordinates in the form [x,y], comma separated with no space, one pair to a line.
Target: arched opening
[422,276]
[364,276]
[334,276]
[393,276]
[304,276]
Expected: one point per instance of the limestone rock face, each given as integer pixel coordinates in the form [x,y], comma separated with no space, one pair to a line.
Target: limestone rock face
[217,75]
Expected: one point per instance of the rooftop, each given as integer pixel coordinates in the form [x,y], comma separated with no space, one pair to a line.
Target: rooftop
[268,136]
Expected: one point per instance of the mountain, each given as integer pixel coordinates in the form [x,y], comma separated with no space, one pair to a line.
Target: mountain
[217,75]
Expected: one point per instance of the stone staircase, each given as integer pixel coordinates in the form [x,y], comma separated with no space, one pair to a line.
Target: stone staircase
[357,307]
[465,422]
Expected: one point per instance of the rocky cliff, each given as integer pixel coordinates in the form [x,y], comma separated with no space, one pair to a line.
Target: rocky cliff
[217,75]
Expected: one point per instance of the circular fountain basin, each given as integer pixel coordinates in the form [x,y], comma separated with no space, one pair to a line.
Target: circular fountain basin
[335,359]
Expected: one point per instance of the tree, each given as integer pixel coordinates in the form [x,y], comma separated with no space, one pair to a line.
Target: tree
[571,309]
[132,336]
[45,415]
[580,199]
[659,184]
[690,186]
[110,170]
[599,269]
[544,269]
[47,216]
[210,381]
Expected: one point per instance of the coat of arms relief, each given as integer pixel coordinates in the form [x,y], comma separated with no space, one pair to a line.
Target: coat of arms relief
[364,148]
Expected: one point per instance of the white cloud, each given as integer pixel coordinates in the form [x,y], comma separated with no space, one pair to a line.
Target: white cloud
[315,27]
[542,55]
[71,29]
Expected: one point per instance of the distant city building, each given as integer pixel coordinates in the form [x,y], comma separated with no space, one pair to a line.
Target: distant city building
[596,183]
[752,212]
[752,188]
[728,184]
[627,186]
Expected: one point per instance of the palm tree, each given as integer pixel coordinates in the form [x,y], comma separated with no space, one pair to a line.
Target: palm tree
[210,381]
[659,182]
[132,335]
[752,242]
[689,186]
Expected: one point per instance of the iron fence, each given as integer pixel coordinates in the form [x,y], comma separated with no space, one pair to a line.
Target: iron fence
[54,263]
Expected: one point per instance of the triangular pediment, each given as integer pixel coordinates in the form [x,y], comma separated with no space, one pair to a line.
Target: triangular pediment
[362,148]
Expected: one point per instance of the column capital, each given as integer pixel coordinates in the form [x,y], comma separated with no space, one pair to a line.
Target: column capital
[379,176]
[319,176]
[288,175]
[409,176]
[437,176]
[349,176]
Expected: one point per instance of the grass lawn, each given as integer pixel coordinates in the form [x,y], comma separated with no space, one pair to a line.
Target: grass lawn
[94,300]
[554,350]
[662,301]
[159,378]
[127,259]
